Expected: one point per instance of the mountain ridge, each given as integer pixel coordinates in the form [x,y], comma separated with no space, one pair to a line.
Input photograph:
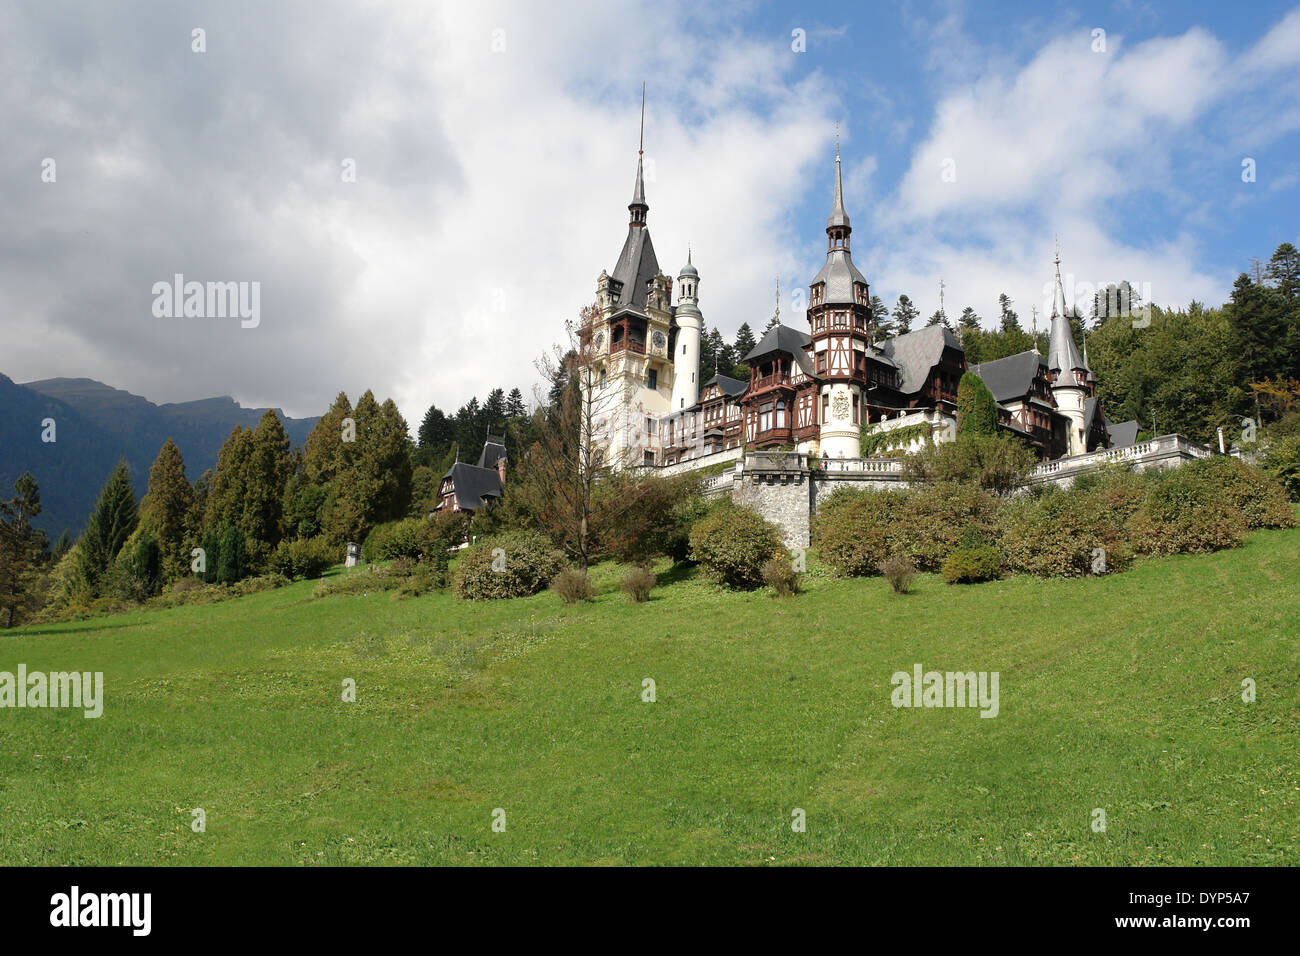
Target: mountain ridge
[97,425]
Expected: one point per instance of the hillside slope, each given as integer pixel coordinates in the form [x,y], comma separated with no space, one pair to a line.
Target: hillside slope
[1122,694]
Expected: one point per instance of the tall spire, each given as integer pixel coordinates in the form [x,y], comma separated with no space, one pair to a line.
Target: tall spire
[839,218]
[638,207]
[1062,353]
[776,316]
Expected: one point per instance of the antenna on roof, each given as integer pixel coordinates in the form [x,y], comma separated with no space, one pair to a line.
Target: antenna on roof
[777,316]
[941,309]
[1035,311]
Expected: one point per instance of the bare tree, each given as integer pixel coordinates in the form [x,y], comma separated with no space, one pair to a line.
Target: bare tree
[584,406]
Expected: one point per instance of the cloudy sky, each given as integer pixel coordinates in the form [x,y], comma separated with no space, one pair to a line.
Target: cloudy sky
[494,149]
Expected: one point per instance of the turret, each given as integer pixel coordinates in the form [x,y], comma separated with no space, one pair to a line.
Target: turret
[686,349]
[1069,371]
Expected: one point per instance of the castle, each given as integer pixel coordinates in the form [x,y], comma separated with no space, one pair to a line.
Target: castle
[810,392]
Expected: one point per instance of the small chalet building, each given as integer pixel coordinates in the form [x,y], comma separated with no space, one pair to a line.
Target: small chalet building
[472,488]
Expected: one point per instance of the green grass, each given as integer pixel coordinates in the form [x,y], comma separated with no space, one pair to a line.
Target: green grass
[1122,693]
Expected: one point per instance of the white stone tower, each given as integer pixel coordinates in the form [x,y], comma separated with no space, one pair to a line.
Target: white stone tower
[686,349]
[1069,371]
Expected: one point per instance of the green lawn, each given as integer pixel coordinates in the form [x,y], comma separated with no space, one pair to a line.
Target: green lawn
[1120,693]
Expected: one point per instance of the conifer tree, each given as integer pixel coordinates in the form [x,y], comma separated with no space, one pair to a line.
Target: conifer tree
[905,313]
[168,509]
[114,519]
[326,453]
[21,552]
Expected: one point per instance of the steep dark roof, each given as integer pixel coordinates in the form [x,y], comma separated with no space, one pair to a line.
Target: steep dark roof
[915,353]
[1122,433]
[730,387]
[472,484]
[783,338]
[637,265]
[1010,378]
[494,449]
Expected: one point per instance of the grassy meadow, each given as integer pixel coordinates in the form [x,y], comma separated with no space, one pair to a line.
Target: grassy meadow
[1122,693]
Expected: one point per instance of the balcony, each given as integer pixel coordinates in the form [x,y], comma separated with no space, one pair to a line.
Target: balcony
[771,381]
[627,345]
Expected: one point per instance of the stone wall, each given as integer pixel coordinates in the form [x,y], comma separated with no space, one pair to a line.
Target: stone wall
[781,487]
[786,500]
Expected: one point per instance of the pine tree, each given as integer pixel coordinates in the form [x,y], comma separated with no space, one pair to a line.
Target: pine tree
[325,452]
[436,430]
[1283,271]
[114,519]
[745,341]
[267,470]
[881,326]
[168,509]
[21,552]
[1008,320]
[972,336]
[225,500]
[905,313]
[494,410]
[515,407]
[772,323]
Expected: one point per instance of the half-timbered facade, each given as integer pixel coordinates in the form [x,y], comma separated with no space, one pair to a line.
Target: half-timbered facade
[812,391]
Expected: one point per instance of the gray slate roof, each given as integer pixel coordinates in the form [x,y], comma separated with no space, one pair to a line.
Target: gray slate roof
[1122,433]
[494,449]
[783,338]
[731,387]
[1009,378]
[473,484]
[915,353]
[839,273]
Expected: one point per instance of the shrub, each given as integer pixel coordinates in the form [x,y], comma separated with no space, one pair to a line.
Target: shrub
[977,410]
[305,558]
[1070,533]
[182,585]
[1258,495]
[969,565]
[638,582]
[572,586]
[516,564]
[998,463]
[1184,511]
[639,517]
[732,544]
[1282,461]
[780,575]
[393,539]
[411,581]
[852,529]
[934,519]
[440,534]
[899,571]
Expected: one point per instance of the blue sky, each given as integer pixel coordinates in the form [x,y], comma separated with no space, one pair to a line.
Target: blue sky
[495,147]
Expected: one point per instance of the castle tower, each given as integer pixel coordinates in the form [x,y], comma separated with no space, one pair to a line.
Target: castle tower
[839,316]
[1070,386]
[686,348]
[627,346]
